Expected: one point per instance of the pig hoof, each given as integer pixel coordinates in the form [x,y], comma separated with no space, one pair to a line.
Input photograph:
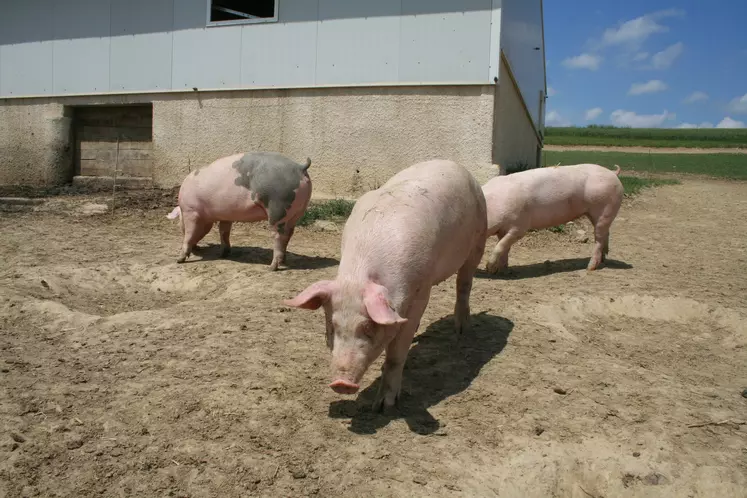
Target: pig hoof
[380,406]
[181,259]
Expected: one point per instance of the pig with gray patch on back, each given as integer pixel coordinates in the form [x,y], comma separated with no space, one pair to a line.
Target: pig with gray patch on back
[248,187]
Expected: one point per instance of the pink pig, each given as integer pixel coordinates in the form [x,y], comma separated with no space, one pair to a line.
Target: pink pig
[247,187]
[424,224]
[546,197]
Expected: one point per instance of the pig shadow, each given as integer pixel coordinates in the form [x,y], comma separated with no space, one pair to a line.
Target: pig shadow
[439,365]
[261,256]
[548,268]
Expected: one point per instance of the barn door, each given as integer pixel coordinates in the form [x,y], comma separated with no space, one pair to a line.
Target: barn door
[109,137]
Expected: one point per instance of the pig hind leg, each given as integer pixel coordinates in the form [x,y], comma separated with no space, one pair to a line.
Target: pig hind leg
[602,222]
[282,234]
[194,231]
[396,355]
[498,259]
[224,227]
[465,276]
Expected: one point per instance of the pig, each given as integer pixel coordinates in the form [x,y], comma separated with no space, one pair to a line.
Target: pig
[252,186]
[424,224]
[546,197]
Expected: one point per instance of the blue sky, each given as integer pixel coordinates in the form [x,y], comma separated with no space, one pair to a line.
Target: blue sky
[647,63]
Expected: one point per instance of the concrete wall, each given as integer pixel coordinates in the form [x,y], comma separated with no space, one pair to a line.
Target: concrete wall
[515,137]
[35,143]
[356,137]
[66,47]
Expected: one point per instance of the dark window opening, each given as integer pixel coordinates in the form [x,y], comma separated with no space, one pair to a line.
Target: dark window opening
[241,10]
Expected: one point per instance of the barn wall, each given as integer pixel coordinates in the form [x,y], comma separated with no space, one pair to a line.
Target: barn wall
[521,33]
[515,137]
[66,47]
[356,137]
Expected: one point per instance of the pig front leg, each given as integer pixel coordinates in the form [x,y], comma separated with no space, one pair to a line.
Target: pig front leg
[396,355]
[282,234]
[498,259]
[224,227]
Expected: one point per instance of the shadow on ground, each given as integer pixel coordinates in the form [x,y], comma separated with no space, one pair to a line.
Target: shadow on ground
[547,268]
[438,366]
[261,256]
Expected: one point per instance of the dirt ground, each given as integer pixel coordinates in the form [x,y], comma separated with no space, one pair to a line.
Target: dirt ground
[125,374]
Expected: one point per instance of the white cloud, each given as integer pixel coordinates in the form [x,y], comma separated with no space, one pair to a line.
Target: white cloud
[696,97]
[727,122]
[554,118]
[665,58]
[633,120]
[738,105]
[704,124]
[640,56]
[593,114]
[652,86]
[636,31]
[551,91]
[583,61]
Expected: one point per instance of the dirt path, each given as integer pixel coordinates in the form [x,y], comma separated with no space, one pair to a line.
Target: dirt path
[124,374]
[644,150]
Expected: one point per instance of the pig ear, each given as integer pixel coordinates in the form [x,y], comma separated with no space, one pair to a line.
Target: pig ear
[375,298]
[313,296]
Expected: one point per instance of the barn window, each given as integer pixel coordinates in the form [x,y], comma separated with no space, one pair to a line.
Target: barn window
[242,11]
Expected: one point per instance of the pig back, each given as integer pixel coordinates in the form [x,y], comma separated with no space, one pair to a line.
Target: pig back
[419,227]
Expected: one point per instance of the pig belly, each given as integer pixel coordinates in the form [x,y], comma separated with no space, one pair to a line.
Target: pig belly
[552,214]
[226,205]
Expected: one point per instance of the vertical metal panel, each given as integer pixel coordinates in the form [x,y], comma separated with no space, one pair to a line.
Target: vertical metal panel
[141,45]
[521,33]
[282,53]
[25,52]
[207,58]
[190,14]
[438,45]
[27,69]
[81,64]
[358,41]
[495,40]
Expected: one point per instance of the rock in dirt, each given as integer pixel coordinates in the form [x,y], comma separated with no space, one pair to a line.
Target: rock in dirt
[74,443]
[18,438]
[560,390]
[9,446]
[636,454]
[298,473]
[420,480]
[655,479]
[326,225]
[744,393]
[90,208]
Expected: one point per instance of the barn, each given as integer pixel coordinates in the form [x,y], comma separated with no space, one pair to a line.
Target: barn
[146,90]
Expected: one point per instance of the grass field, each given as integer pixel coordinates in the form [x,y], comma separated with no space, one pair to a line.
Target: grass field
[647,137]
[733,166]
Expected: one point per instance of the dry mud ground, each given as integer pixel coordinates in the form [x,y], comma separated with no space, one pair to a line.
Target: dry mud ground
[125,374]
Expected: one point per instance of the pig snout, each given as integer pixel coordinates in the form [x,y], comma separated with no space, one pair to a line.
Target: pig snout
[342,386]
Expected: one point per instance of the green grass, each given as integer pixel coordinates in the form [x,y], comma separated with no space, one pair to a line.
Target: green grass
[633,184]
[646,137]
[335,209]
[733,166]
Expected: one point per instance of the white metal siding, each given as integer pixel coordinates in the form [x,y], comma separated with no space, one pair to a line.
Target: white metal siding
[94,46]
[521,32]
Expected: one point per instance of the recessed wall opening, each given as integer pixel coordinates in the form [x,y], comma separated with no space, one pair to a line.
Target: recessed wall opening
[238,10]
[113,140]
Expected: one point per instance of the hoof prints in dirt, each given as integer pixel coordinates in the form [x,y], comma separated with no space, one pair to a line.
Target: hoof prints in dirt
[438,366]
